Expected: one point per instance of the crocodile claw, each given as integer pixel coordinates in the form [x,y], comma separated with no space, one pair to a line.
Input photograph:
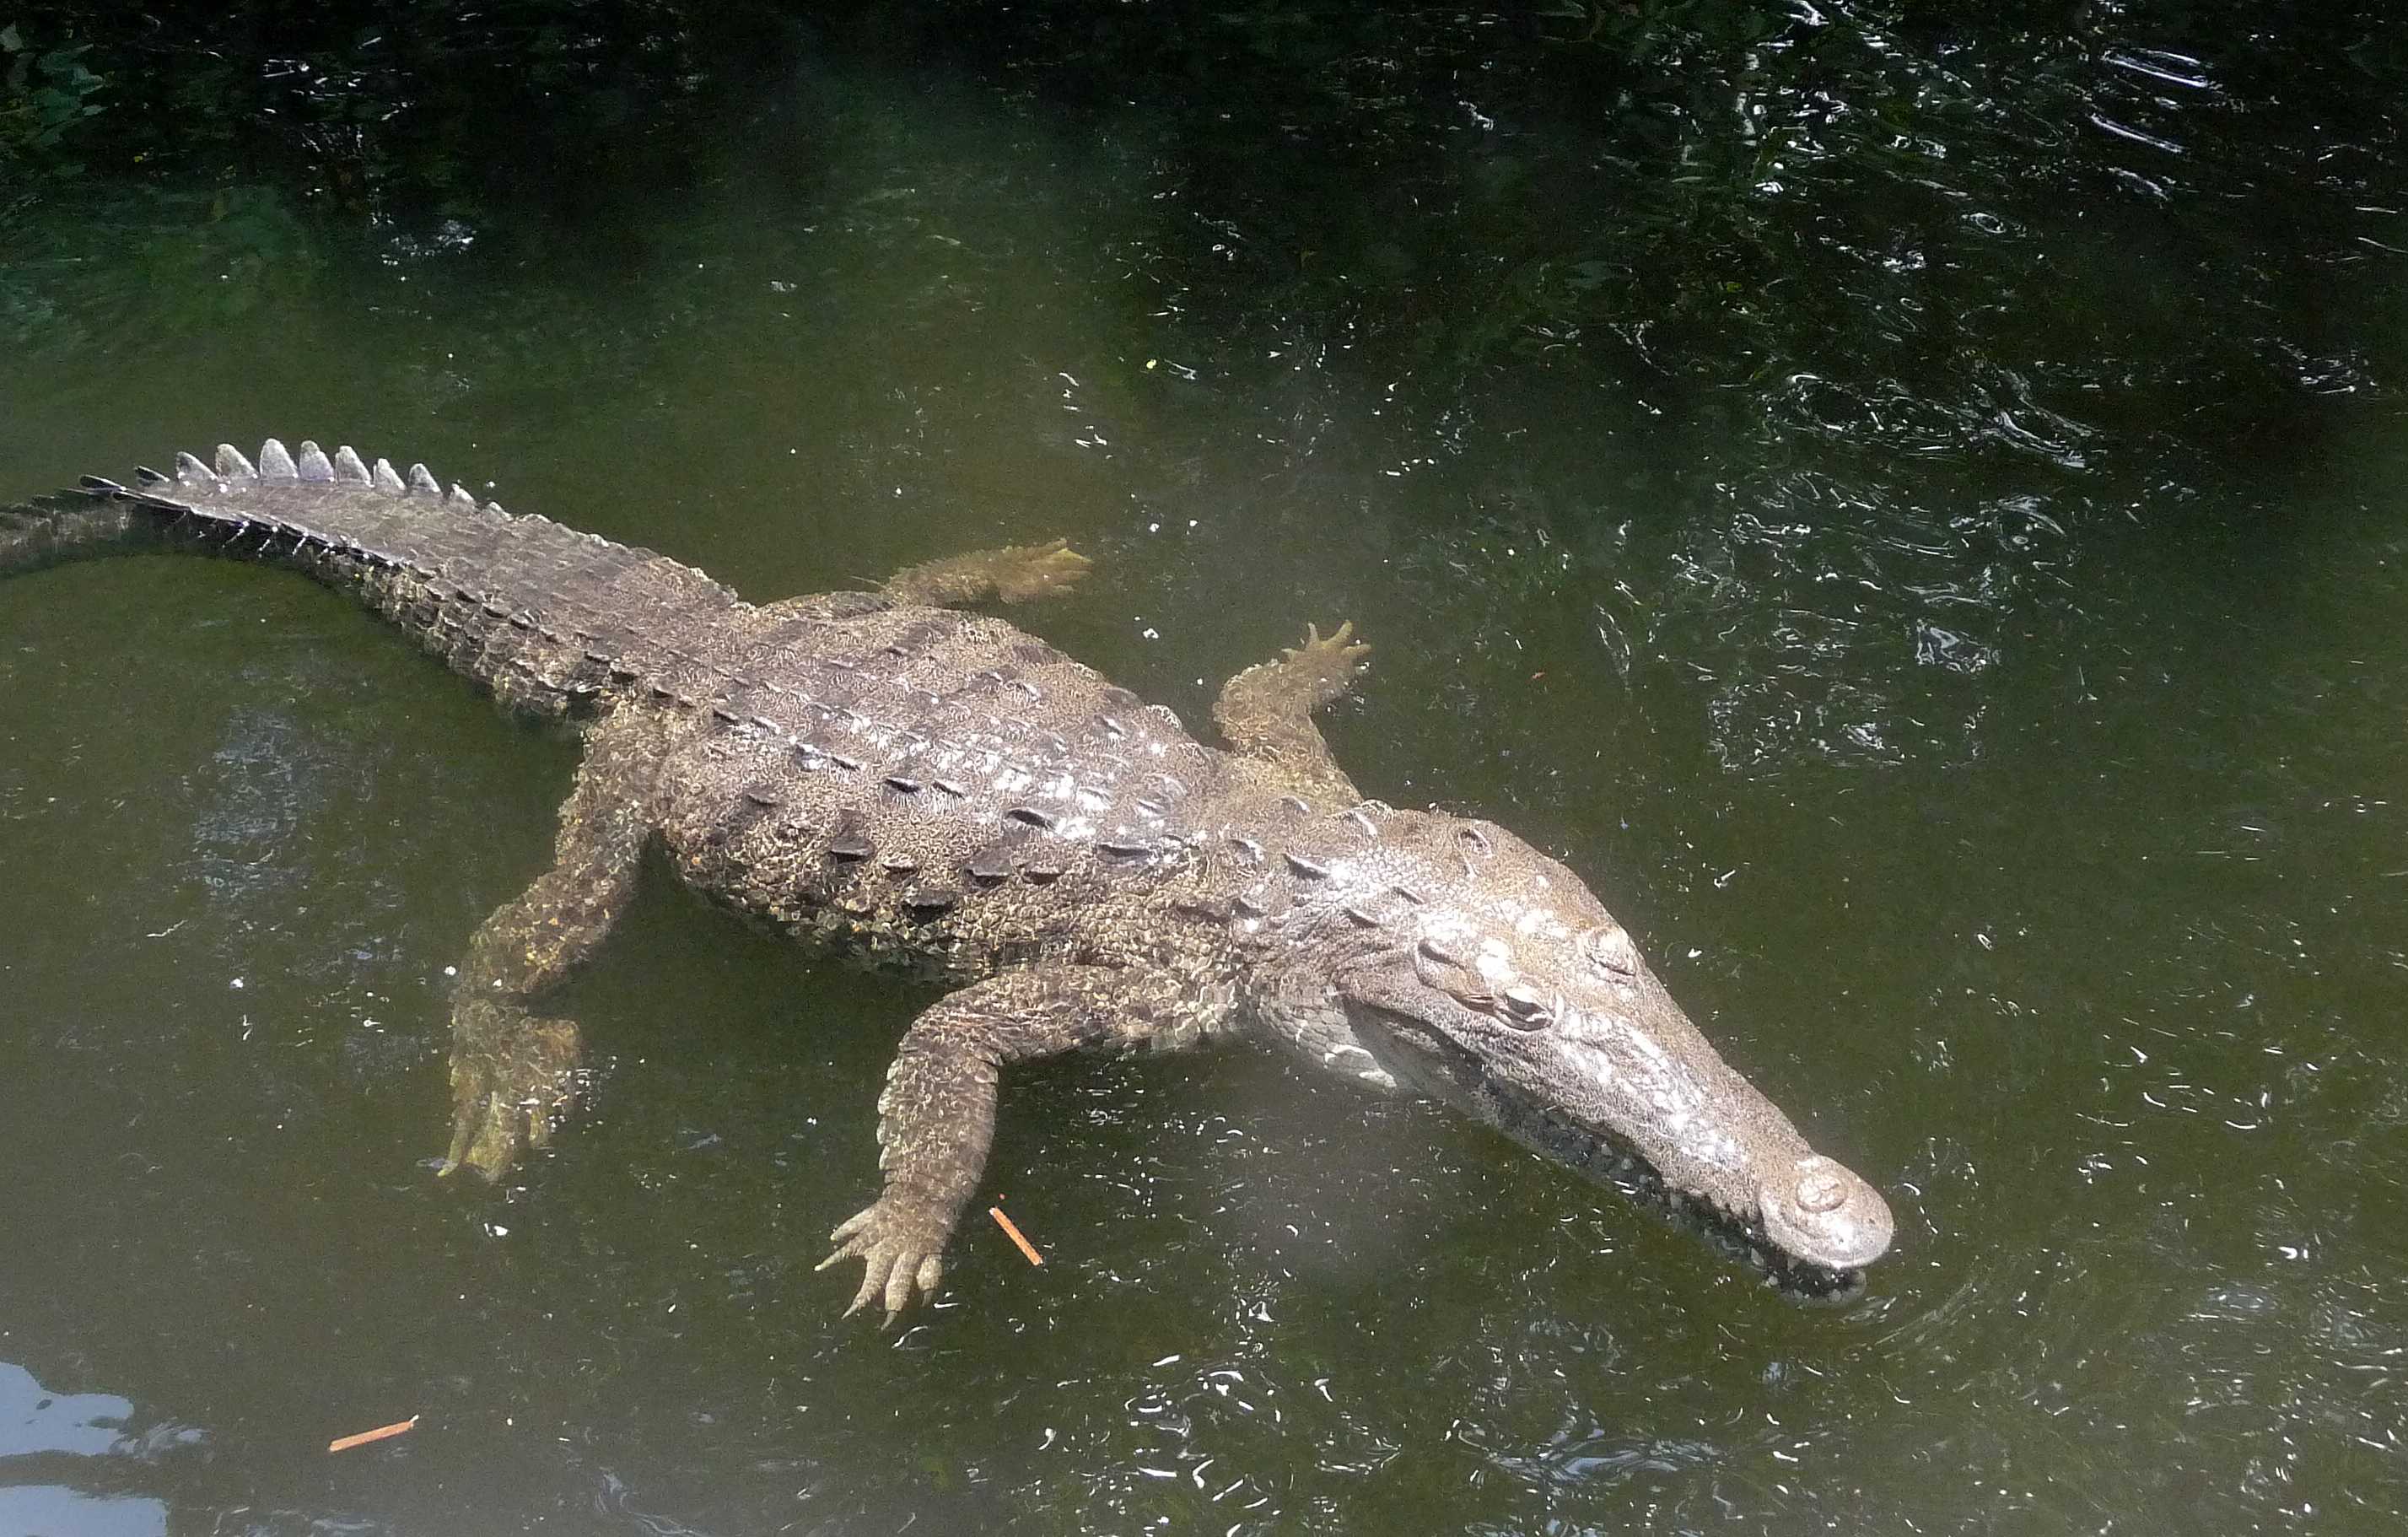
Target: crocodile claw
[901,1249]
[512,1077]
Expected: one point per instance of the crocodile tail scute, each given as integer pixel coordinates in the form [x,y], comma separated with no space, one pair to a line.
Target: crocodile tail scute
[310,491]
[284,501]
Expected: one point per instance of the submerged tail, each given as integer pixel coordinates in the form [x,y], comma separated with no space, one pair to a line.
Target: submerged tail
[546,616]
[71,525]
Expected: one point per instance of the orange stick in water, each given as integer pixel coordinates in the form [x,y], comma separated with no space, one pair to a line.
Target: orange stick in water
[1013,1233]
[381,1433]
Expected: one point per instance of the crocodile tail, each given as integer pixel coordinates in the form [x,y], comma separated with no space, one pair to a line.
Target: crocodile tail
[71,525]
[284,506]
[535,611]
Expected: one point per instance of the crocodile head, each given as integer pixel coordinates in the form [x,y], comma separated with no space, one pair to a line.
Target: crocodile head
[1449,956]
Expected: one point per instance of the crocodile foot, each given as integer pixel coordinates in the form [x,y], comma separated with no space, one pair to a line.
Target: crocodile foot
[512,1077]
[901,1243]
[1327,665]
[1022,572]
[1016,574]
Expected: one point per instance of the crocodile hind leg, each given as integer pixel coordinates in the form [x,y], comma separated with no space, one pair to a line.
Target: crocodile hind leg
[513,1074]
[1266,713]
[1017,573]
[936,1118]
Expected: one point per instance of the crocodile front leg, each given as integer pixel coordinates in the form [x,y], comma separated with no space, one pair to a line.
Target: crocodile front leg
[513,1074]
[1266,713]
[936,1119]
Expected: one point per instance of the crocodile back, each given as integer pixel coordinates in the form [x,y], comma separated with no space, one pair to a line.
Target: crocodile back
[932,786]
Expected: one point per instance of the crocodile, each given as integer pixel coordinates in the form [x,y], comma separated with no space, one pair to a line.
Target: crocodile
[883,774]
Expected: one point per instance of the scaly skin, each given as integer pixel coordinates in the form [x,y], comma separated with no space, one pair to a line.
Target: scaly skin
[879,774]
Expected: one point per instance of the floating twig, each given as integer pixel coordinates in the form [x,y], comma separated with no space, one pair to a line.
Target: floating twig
[1013,1233]
[383,1433]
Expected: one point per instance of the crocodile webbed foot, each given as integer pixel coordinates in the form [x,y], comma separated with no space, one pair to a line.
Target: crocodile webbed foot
[1018,573]
[512,1077]
[901,1243]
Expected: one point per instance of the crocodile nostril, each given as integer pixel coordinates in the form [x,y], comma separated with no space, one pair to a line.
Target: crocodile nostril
[1822,1192]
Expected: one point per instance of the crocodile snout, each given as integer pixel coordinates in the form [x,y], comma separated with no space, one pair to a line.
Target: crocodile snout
[1820,1212]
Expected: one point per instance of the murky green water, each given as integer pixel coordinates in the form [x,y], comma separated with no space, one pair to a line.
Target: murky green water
[1912,512]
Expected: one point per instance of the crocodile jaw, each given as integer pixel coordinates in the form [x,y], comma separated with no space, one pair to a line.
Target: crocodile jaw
[1652,1108]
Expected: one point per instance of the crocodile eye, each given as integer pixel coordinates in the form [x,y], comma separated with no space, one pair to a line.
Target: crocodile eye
[1609,949]
[1441,969]
[1524,1009]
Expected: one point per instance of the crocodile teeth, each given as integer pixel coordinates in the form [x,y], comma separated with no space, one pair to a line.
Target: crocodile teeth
[232,464]
[386,479]
[193,472]
[348,468]
[275,463]
[423,482]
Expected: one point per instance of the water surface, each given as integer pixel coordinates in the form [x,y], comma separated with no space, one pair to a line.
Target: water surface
[1911,512]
